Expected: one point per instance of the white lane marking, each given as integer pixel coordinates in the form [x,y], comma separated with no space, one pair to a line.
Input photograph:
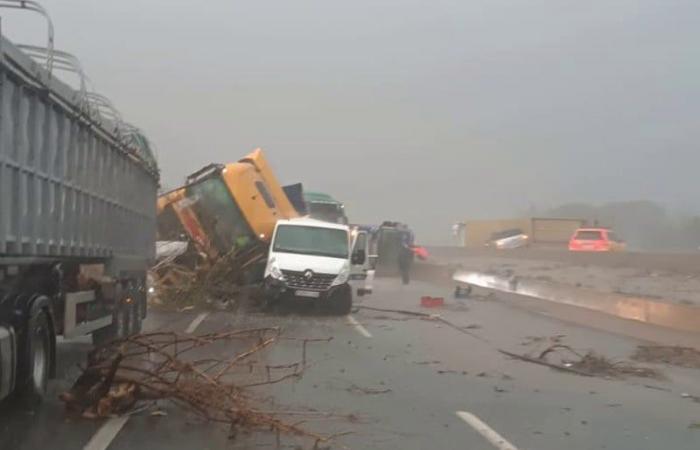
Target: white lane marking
[107,432]
[358,326]
[195,323]
[486,431]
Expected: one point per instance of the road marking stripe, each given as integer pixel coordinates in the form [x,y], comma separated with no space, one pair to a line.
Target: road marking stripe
[107,432]
[358,326]
[486,431]
[195,323]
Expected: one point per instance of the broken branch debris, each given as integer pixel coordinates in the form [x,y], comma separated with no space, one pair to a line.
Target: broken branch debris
[668,354]
[542,362]
[589,364]
[165,366]
[200,279]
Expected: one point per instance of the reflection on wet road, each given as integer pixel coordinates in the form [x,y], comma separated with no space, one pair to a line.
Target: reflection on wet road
[399,382]
[677,317]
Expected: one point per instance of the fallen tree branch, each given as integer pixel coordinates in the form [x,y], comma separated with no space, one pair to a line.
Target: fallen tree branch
[555,347]
[162,366]
[426,316]
[396,311]
[545,363]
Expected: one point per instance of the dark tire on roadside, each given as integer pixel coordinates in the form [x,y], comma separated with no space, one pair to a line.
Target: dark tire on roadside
[268,303]
[35,365]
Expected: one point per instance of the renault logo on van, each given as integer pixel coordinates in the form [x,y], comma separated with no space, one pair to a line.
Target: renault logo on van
[308,274]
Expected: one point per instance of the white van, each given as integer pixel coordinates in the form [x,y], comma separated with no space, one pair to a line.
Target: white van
[312,260]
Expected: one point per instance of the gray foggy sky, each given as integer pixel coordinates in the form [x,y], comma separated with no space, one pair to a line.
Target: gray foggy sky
[423,111]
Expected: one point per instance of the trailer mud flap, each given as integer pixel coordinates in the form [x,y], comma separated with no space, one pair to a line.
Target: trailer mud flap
[71,328]
[8,361]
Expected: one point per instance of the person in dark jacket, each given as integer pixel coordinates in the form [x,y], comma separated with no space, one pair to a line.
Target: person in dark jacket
[406,256]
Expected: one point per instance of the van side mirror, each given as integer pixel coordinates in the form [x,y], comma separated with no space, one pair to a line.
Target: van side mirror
[358,256]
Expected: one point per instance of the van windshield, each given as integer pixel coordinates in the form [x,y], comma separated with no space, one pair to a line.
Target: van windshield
[309,240]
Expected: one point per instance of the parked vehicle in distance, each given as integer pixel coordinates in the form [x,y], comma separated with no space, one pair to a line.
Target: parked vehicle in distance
[322,206]
[508,239]
[386,244]
[595,240]
[312,260]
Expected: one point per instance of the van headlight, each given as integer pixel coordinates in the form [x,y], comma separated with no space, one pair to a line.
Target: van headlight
[343,275]
[273,270]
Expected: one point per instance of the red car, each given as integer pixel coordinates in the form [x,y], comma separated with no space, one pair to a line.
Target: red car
[595,240]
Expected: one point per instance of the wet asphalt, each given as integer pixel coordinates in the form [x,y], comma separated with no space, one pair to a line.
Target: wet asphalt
[400,383]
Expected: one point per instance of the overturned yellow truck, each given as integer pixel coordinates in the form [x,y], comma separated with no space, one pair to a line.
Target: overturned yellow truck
[225,207]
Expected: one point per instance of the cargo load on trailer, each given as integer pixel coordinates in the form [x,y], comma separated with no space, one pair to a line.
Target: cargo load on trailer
[226,208]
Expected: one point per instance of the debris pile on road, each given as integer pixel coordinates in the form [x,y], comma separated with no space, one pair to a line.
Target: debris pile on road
[590,364]
[668,354]
[599,365]
[166,366]
[204,280]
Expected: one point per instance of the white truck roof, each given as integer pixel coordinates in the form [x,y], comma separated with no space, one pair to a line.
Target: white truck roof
[308,222]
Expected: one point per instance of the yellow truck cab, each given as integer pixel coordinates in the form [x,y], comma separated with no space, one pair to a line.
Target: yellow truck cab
[226,206]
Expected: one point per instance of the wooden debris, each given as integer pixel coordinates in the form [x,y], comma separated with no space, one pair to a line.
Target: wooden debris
[589,364]
[163,366]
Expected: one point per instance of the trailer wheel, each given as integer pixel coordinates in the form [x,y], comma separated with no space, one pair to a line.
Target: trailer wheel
[34,372]
[119,328]
[134,317]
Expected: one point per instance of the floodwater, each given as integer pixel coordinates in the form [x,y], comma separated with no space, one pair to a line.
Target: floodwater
[656,312]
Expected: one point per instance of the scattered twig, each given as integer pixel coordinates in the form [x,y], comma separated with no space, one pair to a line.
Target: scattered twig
[426,316]
[545,363]
[369,391]
[396,311]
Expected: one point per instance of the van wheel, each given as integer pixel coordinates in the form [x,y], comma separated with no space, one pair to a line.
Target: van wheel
[341,301]
[37,360]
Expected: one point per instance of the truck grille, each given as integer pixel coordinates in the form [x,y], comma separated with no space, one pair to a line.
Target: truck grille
[318,282]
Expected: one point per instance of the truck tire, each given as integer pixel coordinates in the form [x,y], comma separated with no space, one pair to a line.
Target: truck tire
[35,362]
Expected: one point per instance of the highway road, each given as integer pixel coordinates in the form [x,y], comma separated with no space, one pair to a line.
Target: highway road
[398,382]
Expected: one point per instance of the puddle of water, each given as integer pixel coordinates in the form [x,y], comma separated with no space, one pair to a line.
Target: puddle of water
[678,317]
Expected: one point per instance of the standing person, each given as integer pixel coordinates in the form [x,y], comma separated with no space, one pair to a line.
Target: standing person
[458,232]
[406,256]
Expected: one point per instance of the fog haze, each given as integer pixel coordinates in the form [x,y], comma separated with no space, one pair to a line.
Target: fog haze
[422,111]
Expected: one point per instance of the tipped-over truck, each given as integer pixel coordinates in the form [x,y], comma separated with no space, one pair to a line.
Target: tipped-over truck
[226,207]
[78,191]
